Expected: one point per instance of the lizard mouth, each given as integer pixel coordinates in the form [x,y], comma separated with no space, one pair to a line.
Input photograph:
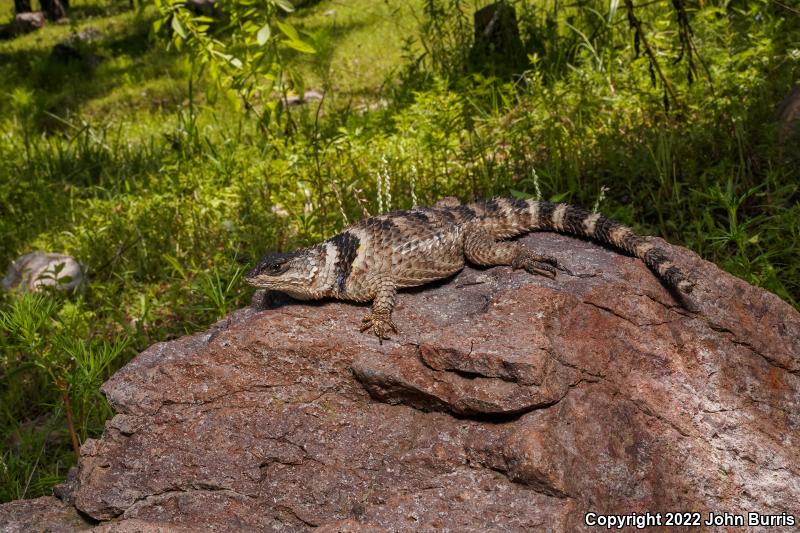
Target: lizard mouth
[258,281]
[252,276]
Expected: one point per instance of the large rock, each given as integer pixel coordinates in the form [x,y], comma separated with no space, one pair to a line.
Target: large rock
[508,402]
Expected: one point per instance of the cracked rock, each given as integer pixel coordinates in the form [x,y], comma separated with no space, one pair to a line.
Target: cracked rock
[516,403]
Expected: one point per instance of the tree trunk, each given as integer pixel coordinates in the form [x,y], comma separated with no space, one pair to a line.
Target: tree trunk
[22,6]
[55,9]
[498,48]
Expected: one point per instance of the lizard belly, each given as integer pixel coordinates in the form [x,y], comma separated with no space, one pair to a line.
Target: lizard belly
[425,274]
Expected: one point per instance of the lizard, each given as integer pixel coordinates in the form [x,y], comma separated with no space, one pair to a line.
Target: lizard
[371,259]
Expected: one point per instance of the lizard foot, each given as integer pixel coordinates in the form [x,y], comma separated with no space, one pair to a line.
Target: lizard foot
[536,264]
[380,324]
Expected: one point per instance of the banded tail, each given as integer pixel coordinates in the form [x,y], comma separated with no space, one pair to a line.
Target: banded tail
[533,215]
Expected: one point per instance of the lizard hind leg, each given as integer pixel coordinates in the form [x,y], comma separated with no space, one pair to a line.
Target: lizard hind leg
[481,248]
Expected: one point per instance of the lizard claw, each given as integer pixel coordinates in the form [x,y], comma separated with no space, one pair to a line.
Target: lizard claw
[380,324]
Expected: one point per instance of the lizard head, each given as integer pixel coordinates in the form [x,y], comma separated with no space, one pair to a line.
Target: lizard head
[293,273]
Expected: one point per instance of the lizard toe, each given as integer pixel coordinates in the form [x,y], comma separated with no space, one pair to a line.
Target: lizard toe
[544,269]
[543,265]
[380,325]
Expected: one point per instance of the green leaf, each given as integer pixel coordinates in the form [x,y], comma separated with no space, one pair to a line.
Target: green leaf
[558,197]
[286,5]
[298,84]
[300,46]
[288,30]
[612,10]
[177,26]
[519,194]
[263,35]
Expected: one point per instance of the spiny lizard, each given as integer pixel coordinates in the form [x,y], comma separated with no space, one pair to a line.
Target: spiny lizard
[371,259]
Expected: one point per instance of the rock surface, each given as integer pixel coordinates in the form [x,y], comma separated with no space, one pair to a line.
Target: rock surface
[508,402]
[42,514]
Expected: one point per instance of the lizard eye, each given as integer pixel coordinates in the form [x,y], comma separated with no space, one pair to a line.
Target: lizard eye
[274,268]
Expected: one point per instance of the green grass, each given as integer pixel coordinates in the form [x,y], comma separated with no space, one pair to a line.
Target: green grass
[364,41]
[168,200]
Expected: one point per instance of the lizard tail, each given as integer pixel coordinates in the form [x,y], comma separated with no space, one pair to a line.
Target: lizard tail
[569,219]
[533,215]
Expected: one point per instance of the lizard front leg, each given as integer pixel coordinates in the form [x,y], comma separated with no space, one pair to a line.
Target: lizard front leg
[380,319]
[481,248]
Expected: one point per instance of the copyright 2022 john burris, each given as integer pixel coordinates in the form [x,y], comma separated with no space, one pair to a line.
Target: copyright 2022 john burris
[688,519]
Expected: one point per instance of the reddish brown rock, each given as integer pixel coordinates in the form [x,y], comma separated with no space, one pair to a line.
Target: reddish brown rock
[508,402]
[41,514]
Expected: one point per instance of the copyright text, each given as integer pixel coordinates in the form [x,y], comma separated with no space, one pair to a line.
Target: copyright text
[647,519]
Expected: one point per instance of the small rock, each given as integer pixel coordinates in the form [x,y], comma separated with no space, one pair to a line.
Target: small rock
[297,99]
[28,22]
[789,115]
[76,48]
[86,35]
[35,270]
